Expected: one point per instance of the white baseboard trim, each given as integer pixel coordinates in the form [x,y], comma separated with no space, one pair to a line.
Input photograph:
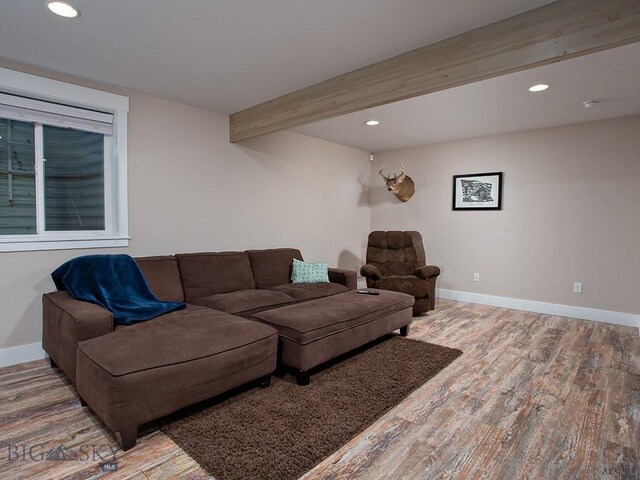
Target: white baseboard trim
[20,354]
[606,316]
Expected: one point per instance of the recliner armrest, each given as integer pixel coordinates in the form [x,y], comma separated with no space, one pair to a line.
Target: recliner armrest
[348,278]
[427,272]
[371,271]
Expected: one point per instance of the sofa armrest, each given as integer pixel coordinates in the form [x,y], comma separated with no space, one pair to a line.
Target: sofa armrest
[348,278]
[370,272]
[90,320]
[66,322]
[427,272]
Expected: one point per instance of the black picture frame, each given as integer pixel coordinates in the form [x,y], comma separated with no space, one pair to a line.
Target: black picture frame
[477,191]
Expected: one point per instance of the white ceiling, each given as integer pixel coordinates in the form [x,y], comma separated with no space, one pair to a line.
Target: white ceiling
[499,105]
[227,55]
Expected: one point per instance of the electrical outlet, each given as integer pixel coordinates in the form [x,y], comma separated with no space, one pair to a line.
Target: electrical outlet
[476,277]
[577,287]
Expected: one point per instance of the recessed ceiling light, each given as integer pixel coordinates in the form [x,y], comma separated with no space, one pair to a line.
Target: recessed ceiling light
[541,87]
[63,9]
[590,104]
[372,123]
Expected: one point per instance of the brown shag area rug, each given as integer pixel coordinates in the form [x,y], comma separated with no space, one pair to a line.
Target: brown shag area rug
[283,431]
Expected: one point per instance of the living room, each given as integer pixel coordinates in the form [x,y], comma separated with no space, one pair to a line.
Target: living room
[519,287]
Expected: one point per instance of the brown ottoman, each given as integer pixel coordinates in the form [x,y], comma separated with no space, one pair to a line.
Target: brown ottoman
[316,331]
[142,372]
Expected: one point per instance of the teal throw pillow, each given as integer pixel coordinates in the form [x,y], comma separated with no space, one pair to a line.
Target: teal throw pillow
[306,272]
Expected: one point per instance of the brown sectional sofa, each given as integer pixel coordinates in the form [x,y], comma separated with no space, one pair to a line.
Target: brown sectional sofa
[241,313]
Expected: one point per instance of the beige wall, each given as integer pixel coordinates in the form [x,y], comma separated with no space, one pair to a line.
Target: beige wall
[571,206]
[571,213]
[192,190]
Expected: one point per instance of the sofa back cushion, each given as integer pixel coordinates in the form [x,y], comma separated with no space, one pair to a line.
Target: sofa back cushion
[163,276]
[205,274]
[273,267]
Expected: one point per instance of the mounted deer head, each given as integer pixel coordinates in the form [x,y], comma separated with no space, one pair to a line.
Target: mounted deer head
[401,185]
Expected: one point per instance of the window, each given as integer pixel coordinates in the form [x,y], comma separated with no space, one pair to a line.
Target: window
[73,180]
[62,165]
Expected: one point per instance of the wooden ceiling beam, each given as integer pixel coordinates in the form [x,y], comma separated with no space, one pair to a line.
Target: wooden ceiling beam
[554,32]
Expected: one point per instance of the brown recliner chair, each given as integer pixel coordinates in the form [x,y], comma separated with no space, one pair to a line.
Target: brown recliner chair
[396,261]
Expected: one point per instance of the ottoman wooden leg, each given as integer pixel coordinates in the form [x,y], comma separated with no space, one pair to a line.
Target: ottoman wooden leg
[303,378]
[52,363]
[128,438]
[83,403]
[404,331]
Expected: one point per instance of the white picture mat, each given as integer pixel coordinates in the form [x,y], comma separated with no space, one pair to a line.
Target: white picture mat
[493,180]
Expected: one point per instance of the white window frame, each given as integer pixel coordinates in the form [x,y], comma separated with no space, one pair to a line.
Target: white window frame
[116,233]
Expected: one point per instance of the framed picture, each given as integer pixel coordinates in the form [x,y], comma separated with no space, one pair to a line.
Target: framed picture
[477,191]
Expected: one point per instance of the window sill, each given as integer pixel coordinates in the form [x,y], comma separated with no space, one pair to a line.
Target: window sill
[63,244]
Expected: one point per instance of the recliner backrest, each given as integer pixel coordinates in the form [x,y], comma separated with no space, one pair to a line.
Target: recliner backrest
[395,252]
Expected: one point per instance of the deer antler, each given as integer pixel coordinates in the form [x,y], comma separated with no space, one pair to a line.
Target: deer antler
[402,174]
[382,174]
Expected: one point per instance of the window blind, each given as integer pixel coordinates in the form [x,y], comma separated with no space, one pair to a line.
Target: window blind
[31,110]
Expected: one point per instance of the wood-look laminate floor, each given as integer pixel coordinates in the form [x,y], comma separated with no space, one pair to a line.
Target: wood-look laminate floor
[533,396]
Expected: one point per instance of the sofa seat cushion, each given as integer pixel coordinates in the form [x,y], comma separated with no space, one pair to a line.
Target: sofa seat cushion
[190,309]
[245,300]
[308,291]
[410,284]
[307,322]
[172,339]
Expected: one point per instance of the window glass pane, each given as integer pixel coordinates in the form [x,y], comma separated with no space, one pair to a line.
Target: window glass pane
[73,179]
[17,178]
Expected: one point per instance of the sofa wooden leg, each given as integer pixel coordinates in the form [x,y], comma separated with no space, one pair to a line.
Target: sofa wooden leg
[404,331]
[128,438]
[52,363]
[265,381]
[303,378]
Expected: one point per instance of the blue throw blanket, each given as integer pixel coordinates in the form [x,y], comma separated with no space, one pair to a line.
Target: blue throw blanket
[114,282]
